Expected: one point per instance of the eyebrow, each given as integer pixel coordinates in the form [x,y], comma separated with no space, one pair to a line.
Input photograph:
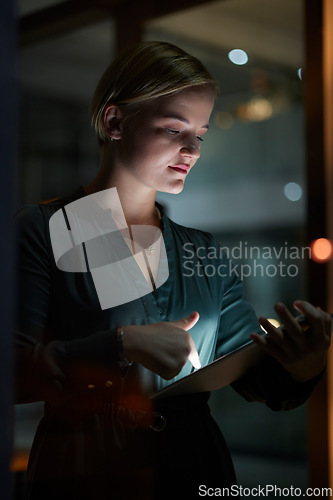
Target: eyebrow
[182,119]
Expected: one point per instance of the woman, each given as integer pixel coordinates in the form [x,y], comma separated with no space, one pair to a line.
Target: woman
[99,329]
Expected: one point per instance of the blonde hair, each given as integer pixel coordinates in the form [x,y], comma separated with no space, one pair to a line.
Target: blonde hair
[147,71]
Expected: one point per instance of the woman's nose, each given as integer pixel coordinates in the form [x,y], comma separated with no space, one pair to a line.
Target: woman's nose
[191,148]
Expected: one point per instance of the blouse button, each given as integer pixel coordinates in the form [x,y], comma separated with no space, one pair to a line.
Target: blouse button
[159,310]
[91,386]
[108,383]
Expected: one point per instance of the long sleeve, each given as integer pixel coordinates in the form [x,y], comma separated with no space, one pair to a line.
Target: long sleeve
[44,364]
[267,382]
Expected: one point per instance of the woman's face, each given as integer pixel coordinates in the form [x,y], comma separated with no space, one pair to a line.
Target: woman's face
[161,144]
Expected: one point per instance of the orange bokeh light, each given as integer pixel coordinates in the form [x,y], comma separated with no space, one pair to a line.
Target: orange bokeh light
[321,250]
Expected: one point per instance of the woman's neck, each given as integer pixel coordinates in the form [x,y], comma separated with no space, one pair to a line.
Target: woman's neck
[137,201]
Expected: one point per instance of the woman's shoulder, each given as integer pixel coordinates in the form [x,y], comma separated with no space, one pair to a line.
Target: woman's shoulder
[29,218]
[37,212]
[64,199]
[31,221]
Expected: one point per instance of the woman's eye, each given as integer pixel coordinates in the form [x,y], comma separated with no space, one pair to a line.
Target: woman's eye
[173,131]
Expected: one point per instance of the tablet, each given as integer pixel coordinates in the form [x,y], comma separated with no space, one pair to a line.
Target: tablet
[221,372]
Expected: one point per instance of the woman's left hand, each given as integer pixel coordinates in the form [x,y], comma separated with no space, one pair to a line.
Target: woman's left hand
[301,351]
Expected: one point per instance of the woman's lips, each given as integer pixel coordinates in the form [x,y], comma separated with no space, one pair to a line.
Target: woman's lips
[182,168]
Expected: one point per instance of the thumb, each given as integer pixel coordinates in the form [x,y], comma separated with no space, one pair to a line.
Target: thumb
[194,356]
[187,323]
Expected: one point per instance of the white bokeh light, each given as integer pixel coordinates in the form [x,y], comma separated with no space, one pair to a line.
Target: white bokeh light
[238,56]
[293,191]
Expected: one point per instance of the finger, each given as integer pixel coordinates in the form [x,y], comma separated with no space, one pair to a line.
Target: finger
[319,320]
[275,333]
[304,307]
[277,339]
[194,356]
[258,339]
[261,340]
[291,328]
[269,346]
[187,323]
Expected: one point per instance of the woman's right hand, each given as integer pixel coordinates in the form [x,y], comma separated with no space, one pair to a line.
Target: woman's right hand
[163,347]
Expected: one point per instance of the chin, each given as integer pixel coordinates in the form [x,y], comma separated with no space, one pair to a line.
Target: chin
[174,188]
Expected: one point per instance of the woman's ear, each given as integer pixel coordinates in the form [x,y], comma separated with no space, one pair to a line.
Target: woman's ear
[113,121]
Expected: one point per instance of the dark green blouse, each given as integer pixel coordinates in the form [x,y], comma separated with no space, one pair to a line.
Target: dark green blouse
[61,309]
[90,443]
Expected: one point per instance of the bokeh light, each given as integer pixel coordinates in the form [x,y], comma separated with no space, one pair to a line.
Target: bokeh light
[321,250]
[238,56]
[224,120]
[293,191]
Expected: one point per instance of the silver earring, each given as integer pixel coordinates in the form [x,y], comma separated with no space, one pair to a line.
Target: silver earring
[111,138]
